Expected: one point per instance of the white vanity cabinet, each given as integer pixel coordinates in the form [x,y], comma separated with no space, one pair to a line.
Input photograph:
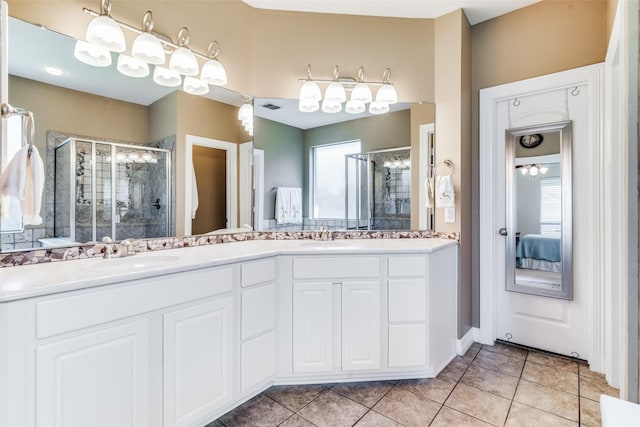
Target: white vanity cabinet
[335,314]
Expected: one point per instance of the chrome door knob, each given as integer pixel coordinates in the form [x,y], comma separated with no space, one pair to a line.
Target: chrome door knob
[502,231]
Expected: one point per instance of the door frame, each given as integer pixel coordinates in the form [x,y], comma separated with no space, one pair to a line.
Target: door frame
[490,211]
[245,189]
[426,132]
[232,177]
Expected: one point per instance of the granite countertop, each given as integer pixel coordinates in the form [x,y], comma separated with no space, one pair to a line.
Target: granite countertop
[52,277]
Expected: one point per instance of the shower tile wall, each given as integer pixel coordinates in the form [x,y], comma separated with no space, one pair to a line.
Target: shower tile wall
[391,191]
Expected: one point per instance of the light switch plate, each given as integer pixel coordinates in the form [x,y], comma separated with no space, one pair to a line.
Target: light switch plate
[449,214]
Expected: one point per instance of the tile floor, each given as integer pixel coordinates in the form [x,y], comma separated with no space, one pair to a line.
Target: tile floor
[500,385]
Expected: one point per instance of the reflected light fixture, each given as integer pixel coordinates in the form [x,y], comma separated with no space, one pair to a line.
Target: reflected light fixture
[92,54]
[132,67]
[245,114]
[213,72]
[166,77]
[105,31]
[532,170]
[182,60]
[336,93]
[195,86]
[147,47]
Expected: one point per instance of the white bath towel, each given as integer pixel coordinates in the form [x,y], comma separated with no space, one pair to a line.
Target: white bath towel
[195,202]
[428,189]
[445,194]
[23,178]
[288,208]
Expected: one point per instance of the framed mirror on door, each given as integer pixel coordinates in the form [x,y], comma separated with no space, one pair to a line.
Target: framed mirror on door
[539,210]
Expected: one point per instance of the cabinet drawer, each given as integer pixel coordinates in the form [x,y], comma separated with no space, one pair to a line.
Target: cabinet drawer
[93,307]
[339,268]
[255,272]
[407,266]
[258,310]
[407,300]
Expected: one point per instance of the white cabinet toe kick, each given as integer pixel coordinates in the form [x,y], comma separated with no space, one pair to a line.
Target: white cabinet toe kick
[182,349]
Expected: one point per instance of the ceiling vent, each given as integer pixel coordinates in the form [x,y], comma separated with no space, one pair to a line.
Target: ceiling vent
[271,106]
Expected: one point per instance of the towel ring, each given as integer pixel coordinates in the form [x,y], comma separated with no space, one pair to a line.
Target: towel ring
[448,164]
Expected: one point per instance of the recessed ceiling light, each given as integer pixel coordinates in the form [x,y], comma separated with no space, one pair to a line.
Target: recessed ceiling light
[53,71]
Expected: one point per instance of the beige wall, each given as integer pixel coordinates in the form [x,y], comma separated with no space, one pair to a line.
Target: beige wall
[546,37]
[78,113]
[453,140]
[420,114]
[211,174]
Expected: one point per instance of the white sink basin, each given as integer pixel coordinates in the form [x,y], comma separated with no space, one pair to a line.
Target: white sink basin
[136,262]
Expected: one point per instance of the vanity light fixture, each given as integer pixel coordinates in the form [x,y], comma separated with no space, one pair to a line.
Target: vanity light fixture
[104,30]
[245,114]
[533,170]
[147,47]
[335,93]
[150,48]
[92,54]
[182,59]
[213,72]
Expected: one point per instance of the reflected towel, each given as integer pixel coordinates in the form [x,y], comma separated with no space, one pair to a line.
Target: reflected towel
[194,193]
[288,208]
[428,189]
[23,179]
[445,194]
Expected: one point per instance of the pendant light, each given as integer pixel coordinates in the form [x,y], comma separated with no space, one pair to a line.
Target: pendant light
[213,72]
[182,60]
[92,54]
[132,67]
[105,31]
[146,47]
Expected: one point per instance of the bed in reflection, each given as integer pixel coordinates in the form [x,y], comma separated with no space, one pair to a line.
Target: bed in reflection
[538,261]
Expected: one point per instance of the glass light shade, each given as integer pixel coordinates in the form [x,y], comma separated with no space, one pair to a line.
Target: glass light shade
[387,164]
[146,156]
[387,94]
[355,107]
[121,157]
[523,170]
[146,47]
[195,86]
[310,91]
[331,106]
[184,62]
[361,93]
[335,93]
[377,107]
[92,54]
[543,169]
[245,112]
[406,163]
[533,171]
[165,77]
[213,73]
[106,32]
[132,67]
[308,106]
[133,156]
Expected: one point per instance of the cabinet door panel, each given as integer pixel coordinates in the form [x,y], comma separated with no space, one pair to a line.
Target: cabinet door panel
[97,379]
[258,310]
[360,325]
[312,327]
[197,361]
[407,345]
[407,300]
[258,360]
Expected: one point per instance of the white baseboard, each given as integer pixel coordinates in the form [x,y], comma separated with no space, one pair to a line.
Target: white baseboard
[463,344]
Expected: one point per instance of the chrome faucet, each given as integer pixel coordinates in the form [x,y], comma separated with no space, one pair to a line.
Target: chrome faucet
[125,248]
[324,234]
[106,247]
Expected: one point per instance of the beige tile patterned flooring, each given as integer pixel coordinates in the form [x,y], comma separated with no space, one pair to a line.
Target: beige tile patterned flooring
[500,385]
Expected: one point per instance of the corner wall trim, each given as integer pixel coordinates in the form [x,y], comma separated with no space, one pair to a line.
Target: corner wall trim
[463,344]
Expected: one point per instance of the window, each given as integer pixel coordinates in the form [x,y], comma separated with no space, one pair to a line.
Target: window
[328,178]
[550,207]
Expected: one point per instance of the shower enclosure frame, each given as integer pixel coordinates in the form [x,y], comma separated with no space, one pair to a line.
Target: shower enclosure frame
[370,187]
[94,206]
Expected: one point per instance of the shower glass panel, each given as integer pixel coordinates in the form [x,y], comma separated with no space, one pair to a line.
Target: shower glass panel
[110,189]
[380,196]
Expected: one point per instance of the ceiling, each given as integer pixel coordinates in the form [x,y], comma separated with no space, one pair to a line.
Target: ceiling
[28,42]
[476,10]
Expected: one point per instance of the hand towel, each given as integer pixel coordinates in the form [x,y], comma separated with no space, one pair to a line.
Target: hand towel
[445,195]
[195,202]
[23,179]
[428,189]
[283,205]
[296,206]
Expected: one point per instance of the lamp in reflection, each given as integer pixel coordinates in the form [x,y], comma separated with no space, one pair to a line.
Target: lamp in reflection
[195,86]
[132,67]
[166,77]
[336,93]
[92,54]
[245,114]
[532,170]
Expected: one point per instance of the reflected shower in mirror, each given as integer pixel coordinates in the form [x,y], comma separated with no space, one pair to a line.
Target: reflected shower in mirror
[538,195]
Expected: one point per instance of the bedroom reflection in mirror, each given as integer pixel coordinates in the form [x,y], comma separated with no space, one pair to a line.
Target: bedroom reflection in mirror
[539,210]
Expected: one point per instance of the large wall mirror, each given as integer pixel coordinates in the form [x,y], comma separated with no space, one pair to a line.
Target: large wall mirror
[128,111]
[539,210]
